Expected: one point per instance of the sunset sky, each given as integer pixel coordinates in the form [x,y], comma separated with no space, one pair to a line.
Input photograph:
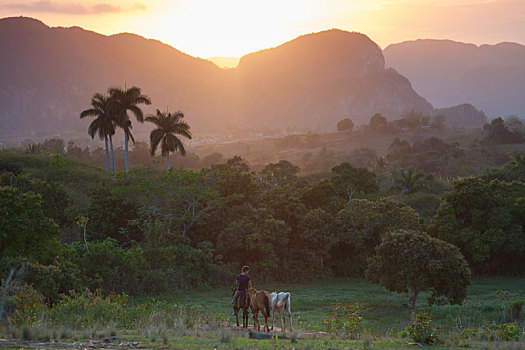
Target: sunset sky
[208,28]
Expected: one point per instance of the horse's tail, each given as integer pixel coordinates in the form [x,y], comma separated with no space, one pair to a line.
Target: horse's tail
[267,305]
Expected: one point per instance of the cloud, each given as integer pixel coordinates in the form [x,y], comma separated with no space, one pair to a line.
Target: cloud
[46,6]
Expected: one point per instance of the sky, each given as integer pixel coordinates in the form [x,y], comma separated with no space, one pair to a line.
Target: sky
[207,28]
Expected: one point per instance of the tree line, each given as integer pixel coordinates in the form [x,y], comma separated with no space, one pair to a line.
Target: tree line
[152,232]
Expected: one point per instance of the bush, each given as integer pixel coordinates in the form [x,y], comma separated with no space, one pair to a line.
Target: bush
[345,319]
[109,267]
[29,306]
[82,310]
[421,329]
[55,279]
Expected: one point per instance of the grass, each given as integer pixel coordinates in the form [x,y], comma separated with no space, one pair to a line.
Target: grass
[311,302]
[198,319]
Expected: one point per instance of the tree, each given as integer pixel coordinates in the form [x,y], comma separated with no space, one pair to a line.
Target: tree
[24,230]
[279,174]
[234,182]
[378,122]
[253,239]
[320,195]
[123,101]
[318,232]
[485,221]
[103,125]
[168,126]
[409,180]
[348,180]
[412,261]
[345,125]
[498,132]
[363,224]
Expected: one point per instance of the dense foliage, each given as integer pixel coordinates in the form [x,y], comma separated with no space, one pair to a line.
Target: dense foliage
[151,232]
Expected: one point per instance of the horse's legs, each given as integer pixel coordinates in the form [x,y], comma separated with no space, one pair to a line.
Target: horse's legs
[273,318]
[266,322]
[290,316]
[283,321]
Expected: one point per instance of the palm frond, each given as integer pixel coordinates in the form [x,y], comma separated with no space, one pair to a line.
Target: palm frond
[155,138]
[180,146]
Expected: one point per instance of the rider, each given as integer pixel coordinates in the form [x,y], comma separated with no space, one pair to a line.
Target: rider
[243,284]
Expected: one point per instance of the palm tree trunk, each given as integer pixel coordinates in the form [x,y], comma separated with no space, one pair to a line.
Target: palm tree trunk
[112,154]
[168,161]
[126,151]
[107,153]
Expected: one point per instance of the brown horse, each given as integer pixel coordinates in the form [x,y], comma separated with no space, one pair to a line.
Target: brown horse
[243,302]
[259,301]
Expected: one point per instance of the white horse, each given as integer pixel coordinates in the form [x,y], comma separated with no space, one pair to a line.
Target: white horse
[280,302]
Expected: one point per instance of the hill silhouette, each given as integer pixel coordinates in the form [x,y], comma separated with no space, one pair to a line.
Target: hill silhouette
[490,77]
[49,75]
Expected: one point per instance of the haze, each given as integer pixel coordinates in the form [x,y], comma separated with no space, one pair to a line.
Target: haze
[232,28]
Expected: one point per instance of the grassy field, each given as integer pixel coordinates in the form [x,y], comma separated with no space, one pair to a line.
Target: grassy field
[200,319]
[311,302]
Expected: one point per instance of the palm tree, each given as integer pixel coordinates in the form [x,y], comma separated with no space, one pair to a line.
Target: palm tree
[122,101]
[103,124]
[168,126]
[409,180]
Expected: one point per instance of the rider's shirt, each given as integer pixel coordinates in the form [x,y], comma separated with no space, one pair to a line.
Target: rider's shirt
[243,282]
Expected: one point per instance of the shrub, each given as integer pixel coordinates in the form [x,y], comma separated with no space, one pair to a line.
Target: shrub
[82,310]
[345,319]
[29,306]
[109,267]
[421,329]
[55,279]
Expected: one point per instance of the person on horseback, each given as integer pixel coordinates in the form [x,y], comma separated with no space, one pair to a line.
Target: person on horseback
[243,284]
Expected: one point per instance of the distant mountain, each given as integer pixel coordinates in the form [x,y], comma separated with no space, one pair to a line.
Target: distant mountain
[48,75]
[462,116]
[318,79]
[447,73]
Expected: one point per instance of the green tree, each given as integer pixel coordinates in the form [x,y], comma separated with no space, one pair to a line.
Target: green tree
[253,239]
[279,174]
[345,125]
[234,182]
[122,102]
[412,261]
[321,195]
[103,125]
[485,221]
[168,127]
[318,232]
[348,180]
[408,181]
[363,224]
[109,217]
[170,205]
[24,230]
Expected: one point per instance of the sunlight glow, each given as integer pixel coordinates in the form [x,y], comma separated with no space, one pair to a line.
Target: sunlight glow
[208,28]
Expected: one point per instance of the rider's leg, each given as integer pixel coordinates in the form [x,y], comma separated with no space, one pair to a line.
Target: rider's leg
[234,302]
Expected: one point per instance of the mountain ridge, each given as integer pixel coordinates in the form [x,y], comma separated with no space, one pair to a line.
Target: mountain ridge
[310,82]
[489,76]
